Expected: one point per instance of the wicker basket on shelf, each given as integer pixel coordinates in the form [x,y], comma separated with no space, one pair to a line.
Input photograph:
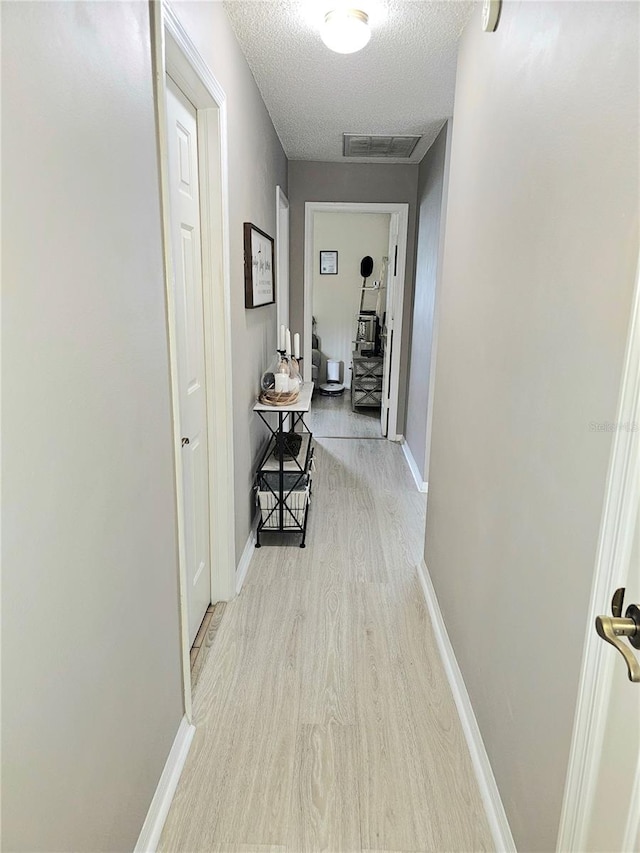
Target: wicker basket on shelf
[278,398]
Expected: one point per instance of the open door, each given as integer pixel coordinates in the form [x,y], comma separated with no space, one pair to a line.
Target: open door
[388,325]
[614,821]
[601,810]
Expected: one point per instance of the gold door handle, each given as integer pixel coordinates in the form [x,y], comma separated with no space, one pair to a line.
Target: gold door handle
[614,628]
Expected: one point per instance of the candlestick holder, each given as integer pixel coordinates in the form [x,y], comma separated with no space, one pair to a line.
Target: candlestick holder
[295,374]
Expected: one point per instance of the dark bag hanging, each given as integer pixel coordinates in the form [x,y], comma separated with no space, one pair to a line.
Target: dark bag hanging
[291,446]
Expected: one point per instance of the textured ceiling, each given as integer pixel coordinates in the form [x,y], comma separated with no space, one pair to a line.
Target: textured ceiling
[402,82]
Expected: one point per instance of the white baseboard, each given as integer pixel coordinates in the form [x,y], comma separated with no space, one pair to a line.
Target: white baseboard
[411,462]
[245,559]
[161,802]
[498,823]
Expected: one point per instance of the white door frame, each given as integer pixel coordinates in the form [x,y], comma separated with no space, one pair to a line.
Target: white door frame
[614,548]
[175,54]
[401,211]
[282,258]
[283,293]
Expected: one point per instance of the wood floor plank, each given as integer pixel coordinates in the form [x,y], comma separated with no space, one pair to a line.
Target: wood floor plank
[216,613]
[435,733]
[391,814]
[325,800]
[332,417]
[264,739]
[246,848]
[353,532]
[328,686]
[202,630]
[236,782]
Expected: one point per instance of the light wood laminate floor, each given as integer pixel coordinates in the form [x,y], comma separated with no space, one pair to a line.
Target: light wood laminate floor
[205,639]
[324,718]
[332,417]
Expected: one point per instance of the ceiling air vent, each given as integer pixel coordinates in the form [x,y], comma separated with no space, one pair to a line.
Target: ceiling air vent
[355,145]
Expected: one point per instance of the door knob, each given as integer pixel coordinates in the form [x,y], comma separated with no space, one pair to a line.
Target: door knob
[614,628]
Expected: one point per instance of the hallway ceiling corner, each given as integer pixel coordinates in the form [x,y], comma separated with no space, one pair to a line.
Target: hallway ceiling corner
[401,83]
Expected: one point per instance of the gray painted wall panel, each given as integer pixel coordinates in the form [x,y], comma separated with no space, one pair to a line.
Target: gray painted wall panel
[357,182]
[428,251]
[92,694]
[541,247]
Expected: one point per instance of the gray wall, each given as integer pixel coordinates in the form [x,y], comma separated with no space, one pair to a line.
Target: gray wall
[91,679]
[356,182]
[541,246]
[92,694]
[431,183]
[257,164]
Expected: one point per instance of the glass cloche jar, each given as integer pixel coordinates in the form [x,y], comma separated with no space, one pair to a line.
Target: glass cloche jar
[281,382]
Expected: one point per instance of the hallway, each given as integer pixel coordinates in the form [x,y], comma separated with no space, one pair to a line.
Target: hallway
[324,718]
[507,135]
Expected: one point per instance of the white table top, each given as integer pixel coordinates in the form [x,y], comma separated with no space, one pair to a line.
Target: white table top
[302,404]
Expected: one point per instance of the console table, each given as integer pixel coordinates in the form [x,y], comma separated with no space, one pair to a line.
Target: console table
[284,481]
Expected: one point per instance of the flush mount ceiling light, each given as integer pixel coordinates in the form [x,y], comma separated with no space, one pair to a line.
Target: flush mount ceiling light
[345,30]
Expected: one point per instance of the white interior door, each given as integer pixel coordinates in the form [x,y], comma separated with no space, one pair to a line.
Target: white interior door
[614,823]
[601,810]
[613,819]
[188,293]
[388,328]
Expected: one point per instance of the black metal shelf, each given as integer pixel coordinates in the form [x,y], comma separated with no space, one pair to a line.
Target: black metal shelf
[284,482]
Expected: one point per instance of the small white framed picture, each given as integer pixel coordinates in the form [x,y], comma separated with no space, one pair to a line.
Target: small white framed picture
[329,263]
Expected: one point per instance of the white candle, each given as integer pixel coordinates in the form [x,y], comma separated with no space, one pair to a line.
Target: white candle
[282,382]
[296,345]
[281,342]
[288,342]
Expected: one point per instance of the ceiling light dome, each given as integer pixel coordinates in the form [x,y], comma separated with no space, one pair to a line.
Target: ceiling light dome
[346,30]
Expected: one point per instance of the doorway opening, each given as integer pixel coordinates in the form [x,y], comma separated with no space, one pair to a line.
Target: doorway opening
[192,141]
[355,259]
